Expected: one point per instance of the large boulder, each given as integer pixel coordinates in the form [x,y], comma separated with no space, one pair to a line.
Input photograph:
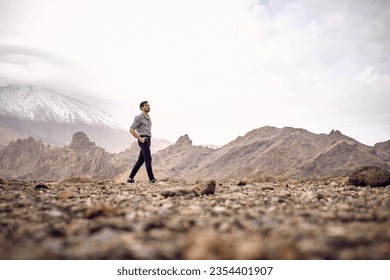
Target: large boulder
[373,176]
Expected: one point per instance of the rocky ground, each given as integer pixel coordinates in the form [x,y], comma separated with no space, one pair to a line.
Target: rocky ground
[84,219]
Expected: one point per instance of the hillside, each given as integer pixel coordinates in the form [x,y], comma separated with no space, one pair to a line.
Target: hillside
[288,152]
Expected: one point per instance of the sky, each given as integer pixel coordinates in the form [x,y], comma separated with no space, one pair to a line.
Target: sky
[212,69]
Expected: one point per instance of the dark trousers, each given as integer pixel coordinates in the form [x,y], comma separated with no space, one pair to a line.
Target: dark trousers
[144,156]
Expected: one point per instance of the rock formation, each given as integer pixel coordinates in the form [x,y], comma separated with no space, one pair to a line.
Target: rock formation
[267,151]
[30,159]
[80,141]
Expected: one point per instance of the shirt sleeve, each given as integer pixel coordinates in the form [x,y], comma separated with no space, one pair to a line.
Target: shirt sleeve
[136,123]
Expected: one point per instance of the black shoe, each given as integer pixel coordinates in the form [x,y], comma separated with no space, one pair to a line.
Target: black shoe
[153,181]
[130,180]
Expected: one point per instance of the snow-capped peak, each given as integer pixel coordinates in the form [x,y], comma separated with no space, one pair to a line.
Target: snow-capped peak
[42,104]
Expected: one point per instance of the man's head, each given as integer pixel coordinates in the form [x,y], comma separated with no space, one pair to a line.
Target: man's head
[144,106]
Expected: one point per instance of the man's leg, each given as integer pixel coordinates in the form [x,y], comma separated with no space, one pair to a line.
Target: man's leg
[138,164]
[148,158]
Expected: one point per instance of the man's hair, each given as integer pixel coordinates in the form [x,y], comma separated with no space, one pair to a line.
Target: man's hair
[142,104]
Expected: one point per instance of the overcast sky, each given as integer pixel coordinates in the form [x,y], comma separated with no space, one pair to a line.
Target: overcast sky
[214,69]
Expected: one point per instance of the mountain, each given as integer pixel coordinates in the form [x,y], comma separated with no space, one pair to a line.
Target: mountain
[41,104]
[53,117]
[383,150]
[267,151]
[270,151]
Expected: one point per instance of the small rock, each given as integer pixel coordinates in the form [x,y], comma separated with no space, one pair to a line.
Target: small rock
[336,231]
[41,187]
[66,195]
[241,183]
[104,235]
[219,209]
[176,192]
[168,205]
[100,209]
[2,181]
[54,213]
[209,188]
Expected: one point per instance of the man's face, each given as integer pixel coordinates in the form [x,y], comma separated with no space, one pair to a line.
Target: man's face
[146,107]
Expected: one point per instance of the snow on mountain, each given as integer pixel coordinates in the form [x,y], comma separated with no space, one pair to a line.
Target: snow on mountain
[41,104]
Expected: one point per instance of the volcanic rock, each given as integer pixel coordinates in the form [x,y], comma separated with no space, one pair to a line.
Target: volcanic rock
[41,187]
[373,176]
[209,188]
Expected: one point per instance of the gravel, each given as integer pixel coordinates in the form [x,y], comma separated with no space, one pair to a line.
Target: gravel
[206,220]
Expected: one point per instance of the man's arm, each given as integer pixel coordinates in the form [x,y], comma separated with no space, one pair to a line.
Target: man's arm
[136,135]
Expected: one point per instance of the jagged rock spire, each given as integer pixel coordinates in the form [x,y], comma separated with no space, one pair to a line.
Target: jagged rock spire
[184,140]
[80,140]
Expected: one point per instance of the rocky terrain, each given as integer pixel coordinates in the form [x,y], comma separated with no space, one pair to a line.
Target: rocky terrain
[267,151]
[264,218]
[266,195]
[31,159]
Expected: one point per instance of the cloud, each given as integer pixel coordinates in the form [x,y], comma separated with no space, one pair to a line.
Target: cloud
[313,64]
[9,50]
[329,58]
[327,33]
[24,64]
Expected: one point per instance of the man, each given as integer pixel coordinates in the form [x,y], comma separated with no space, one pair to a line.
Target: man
[141,129]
